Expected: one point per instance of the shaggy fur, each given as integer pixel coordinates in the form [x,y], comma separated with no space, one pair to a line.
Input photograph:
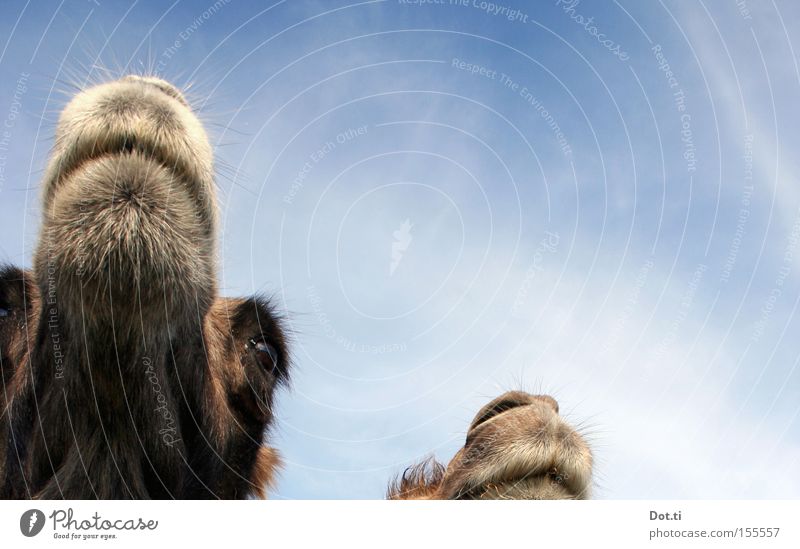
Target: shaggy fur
[228,460]
[127,375]
[517,447]
[420,481]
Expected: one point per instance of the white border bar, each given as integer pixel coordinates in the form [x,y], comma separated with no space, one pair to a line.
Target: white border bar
[380,524]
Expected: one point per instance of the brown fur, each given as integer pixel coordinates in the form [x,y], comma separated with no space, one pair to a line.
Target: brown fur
[127,375]
[240,398]
[517,447]
[420,481]
[16,295]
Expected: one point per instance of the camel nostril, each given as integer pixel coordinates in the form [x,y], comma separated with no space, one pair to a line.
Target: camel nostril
[498,406]
[508,401]
[548,400]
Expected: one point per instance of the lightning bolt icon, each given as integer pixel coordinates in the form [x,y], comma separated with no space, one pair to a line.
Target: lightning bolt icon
[34,520]
[402,239]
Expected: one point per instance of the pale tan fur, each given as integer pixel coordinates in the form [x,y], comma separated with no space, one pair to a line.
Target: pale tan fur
[517,447]
[159,219]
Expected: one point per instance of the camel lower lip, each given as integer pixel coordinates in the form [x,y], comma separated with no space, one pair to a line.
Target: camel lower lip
[119,147]
[529,484]
[499,484]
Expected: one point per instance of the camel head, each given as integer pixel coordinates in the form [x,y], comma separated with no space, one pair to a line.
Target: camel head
[126,374]
[517,447]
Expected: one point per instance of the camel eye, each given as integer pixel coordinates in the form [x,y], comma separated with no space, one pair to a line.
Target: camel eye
[265,353]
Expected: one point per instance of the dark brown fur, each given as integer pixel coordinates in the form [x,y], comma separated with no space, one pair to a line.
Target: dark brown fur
[127,375]
[228,461]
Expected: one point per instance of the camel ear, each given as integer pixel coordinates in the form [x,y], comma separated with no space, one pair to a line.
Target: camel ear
[16,297]
[16,291]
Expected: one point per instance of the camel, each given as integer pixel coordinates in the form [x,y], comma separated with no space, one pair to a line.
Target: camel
[126,375]
[247,357]
[517,447]
[133,382]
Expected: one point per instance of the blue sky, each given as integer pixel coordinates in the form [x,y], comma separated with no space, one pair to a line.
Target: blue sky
[450,202]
